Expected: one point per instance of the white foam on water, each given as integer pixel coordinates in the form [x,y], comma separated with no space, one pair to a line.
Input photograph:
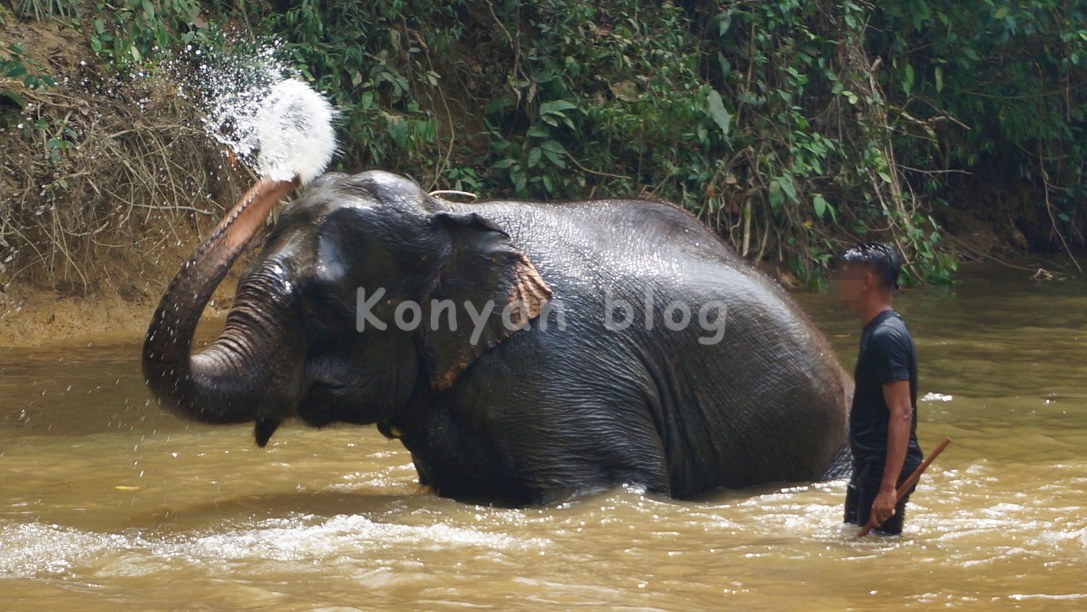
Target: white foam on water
[308,537]
[35,550]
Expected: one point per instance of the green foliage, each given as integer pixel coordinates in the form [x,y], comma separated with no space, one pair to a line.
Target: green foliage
[603,98]
[131,32]
[463,179]
[753,118]
[994,88]
[811,156]
[376,61]
[14,65]
[792,127]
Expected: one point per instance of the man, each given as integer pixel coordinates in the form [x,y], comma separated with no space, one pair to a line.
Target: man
[883,418]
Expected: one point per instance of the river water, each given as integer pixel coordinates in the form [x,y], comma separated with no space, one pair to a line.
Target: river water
[107,502]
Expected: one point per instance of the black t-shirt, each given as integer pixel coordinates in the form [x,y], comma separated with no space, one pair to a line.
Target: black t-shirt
[886,355]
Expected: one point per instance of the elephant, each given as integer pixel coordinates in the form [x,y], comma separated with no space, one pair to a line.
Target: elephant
[570,370]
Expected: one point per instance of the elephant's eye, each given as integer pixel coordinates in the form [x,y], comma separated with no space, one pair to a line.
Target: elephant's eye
[325,312]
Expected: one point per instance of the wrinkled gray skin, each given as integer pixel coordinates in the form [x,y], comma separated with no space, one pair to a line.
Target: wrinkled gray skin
[525,416]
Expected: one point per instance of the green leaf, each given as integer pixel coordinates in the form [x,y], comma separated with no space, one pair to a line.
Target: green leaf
[775,197]
[553,146]
[788,188]
[534,157]
[726,67]
[821,207]
[554,152]
[556,107]
[1001,12]
[724,21]
[939,79]
[716,107]
[15,70]
[555,158]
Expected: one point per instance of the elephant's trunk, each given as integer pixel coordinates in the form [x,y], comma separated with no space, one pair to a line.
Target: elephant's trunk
[241,376]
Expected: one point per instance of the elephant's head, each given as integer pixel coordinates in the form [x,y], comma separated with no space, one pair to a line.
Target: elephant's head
[345,314]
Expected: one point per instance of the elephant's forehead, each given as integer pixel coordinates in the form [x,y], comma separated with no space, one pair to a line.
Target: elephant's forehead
[372,189]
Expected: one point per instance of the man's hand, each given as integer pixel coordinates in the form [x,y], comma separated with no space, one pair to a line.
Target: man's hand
[883,506]
[897,396]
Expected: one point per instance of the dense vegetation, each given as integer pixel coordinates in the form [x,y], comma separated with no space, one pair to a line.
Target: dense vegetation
[791,126]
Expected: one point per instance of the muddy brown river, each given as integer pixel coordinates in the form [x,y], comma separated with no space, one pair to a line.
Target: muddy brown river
[107,502]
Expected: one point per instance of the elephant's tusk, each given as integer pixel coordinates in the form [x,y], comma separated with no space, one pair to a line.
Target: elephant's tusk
[440,192]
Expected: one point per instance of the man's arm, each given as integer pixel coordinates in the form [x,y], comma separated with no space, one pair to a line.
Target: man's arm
[897,396]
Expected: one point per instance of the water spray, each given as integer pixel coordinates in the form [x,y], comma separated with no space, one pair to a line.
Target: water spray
[294,133]
[274,123]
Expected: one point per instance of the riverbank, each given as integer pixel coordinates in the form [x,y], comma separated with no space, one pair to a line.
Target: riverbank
[44,318]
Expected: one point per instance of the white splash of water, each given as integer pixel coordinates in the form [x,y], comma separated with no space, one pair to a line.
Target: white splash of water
[269,120]
[294,132]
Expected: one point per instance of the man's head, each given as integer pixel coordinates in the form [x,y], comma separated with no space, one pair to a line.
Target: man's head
[868,272]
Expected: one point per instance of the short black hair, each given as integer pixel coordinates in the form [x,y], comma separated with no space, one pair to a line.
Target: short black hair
[882,258]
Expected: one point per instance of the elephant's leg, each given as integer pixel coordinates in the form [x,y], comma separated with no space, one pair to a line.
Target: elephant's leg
[596,447]
[534,454]
[456,459]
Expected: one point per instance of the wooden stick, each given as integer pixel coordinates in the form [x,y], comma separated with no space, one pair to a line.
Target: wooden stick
[909,483]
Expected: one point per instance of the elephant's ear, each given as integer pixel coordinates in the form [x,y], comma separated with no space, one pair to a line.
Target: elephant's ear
[492,289]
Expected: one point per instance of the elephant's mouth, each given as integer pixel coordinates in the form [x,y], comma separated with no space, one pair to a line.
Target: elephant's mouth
[327,387]
[326,401]
[316,408]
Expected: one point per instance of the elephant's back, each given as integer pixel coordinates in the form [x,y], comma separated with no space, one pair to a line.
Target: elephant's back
[618,236]
[637,245]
